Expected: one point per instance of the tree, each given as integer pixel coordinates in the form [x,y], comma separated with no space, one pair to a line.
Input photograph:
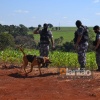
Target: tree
[91,39]
[31,28]
[1,28]
[56,28]
[11,29]
[27,41]
[39,26]
[50,25]
[6,28]
[6,40]
[23,30]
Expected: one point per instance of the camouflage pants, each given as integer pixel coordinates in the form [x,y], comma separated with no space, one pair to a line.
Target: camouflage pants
[98,57]
[82,48]
[44,50]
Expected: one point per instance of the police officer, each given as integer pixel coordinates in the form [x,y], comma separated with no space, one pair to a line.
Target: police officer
[97,45]
[45,38]
[81,43]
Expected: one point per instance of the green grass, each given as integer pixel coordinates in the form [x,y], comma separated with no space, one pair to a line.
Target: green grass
[59,59]
[66,32]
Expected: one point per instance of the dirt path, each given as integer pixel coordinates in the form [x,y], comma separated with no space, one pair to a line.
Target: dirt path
[47,87]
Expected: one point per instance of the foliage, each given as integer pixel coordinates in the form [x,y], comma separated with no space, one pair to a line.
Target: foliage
[91,39]
[63,38]
[50,25]
[6,40]
[63,56]
[31,28]
[15,35]
[39,26]
[26,40]
[69,46]
[58,58]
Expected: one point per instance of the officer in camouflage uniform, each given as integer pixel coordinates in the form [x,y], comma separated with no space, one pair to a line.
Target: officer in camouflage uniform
[96,43]
[81,43]
[45,37]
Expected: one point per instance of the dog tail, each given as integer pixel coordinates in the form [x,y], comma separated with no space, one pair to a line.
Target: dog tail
[22,51]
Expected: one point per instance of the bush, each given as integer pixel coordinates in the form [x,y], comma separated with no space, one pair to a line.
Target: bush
[27,41]
[6,40]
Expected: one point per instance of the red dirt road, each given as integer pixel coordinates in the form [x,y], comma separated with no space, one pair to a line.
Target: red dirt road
[47,87]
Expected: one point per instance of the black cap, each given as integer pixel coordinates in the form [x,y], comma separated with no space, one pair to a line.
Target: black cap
[95,27]
[45,25]
[78,23]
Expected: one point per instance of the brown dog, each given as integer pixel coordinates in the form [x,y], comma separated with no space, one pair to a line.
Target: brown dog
[34,60]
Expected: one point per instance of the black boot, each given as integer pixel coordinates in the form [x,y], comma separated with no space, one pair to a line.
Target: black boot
[44,65]
[82,67]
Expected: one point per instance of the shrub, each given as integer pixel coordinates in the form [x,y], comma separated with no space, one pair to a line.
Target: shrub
[6,40]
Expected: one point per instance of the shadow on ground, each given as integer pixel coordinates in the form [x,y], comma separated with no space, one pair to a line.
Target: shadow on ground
[18,75]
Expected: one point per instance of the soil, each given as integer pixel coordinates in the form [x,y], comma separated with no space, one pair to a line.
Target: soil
[16,86]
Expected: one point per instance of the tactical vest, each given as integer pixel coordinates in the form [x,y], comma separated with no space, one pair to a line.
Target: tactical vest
[96,40]
[44,37]
[84,38]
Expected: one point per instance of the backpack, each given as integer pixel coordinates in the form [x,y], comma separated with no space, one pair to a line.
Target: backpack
[95,42]
[85,35]
[44,37]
